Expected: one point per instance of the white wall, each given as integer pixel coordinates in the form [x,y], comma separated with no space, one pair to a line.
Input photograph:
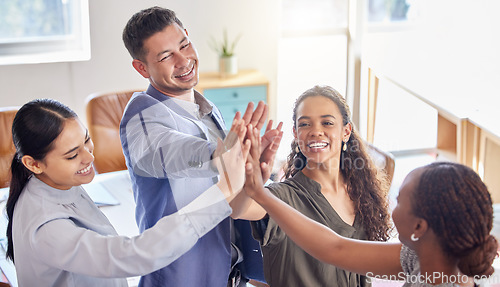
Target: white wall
[110,67]
[454,37]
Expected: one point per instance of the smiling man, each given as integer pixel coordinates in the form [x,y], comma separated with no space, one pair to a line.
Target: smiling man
[169,134]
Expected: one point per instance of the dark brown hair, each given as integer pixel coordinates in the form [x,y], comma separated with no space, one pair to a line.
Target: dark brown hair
[35,127]
[366,185]
[457,205]
[145,24]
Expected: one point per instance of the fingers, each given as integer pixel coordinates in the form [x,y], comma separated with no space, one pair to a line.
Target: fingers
[276,142]
[258,117]
[237,116]
[252,162]
[280,125]
[269,126]
[236,134]
[247,116]
[271,134]
[253,136]
[245,150]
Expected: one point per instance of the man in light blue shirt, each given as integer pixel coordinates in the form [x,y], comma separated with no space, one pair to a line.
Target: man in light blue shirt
[169,134]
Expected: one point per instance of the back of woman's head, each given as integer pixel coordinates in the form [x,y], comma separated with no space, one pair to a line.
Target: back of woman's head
[457,206]
[35,127]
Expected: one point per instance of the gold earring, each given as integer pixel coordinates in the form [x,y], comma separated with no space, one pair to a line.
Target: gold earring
[344,147]
[297,150]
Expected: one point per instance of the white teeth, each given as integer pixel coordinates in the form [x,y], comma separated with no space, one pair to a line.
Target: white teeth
[186,73]
[318,145]
[84,170]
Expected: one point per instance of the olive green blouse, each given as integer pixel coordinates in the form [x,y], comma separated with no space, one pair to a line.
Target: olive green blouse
[286,264]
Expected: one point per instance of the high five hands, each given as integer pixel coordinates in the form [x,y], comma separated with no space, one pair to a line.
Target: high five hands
[232,153]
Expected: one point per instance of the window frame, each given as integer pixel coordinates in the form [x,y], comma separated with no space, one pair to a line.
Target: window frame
[68,48]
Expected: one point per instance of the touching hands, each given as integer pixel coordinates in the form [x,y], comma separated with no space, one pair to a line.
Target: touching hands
[230,157]
[271,138]
[269,146]
[243,129]
[254,185]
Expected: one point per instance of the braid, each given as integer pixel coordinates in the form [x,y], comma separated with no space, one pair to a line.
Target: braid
[458,207]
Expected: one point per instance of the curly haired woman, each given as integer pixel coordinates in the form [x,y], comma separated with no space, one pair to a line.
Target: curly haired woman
[330,178]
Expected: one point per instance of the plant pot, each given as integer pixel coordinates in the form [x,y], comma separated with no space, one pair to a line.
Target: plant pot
[228,66]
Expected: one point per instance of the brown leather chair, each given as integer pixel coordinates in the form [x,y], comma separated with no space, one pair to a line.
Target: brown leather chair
[7,149]
[383,159]
[104,113]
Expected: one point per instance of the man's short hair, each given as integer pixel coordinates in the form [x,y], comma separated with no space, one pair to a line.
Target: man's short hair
[143,25]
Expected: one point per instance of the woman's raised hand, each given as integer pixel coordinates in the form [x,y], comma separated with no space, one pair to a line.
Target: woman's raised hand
[254,186]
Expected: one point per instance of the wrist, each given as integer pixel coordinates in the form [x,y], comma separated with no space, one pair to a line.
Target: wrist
[261,196]
[224,188]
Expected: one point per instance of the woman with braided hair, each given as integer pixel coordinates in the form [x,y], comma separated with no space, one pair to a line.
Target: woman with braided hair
[330,178]
[444,217]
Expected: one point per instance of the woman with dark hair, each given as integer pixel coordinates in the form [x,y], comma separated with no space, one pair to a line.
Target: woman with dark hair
[56,234]
[330,178]
[444,218]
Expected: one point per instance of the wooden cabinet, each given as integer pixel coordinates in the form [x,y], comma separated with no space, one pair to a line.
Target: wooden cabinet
[232,94]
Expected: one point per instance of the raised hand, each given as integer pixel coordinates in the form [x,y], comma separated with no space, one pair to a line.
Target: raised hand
[230,157]
[236,134]
[269,146]
[256,118]
[254,185]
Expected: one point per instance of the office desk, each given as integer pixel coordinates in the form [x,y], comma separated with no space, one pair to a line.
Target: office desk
[468,106]
[122,215]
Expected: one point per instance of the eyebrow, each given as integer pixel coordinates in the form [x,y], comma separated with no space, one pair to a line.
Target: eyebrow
[75,148]
[323,117]
[168,50]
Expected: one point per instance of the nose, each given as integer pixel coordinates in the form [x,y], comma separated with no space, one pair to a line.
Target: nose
[317,130]
[181,61]
[89,156]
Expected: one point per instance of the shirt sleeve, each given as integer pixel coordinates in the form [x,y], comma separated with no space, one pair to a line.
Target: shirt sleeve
[157,148]
[67,245]
[266,230]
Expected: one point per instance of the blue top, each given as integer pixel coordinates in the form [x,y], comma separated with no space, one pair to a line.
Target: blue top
[168,155]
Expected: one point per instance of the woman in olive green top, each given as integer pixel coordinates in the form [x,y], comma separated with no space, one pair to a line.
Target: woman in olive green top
[330,179]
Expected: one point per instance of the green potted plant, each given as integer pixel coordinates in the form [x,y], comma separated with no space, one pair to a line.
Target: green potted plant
[228,62]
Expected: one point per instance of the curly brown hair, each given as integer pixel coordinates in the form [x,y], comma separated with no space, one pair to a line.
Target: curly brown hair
[367,185]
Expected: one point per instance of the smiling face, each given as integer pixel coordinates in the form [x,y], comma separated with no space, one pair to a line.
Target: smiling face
[171,61]
[69,163]
[319,130]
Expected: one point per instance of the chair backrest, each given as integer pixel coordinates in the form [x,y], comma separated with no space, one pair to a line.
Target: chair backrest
[104,113]
[7,149]
[383,159]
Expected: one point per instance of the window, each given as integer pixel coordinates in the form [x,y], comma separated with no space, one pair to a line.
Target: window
[43,31]
[387,10]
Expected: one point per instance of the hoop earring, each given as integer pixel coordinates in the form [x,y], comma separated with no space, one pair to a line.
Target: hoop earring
[344,147]
[414,238]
